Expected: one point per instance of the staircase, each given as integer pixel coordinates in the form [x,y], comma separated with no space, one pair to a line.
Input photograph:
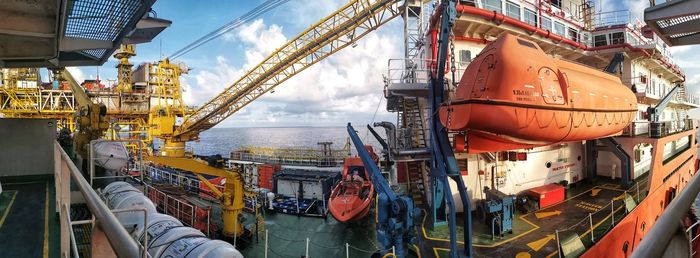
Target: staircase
[416,179]
[413,118]
[680,95]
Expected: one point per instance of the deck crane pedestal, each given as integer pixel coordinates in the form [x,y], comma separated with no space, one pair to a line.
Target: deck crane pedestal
[396,214]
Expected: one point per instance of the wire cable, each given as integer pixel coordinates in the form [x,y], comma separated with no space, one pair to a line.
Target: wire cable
[252,14]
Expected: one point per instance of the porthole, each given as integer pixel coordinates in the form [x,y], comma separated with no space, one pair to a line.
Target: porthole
[548,164]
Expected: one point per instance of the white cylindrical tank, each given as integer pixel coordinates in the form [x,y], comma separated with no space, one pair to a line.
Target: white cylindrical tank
[157,245]
[201,247]
[111,155]
[167,237]
[158,223]
[126,196]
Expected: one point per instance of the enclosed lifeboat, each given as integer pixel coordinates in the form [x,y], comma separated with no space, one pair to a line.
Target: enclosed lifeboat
[352,197]
[514,96]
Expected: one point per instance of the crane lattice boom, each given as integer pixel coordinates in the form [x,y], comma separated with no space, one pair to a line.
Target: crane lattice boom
[340,29]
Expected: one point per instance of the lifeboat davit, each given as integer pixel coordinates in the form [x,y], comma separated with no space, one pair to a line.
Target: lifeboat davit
[351,198]
[515,96]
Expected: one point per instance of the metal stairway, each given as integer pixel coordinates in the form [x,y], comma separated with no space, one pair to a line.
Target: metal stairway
[412,118]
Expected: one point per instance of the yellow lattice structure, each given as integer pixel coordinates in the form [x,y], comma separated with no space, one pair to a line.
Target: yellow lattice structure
[22,96]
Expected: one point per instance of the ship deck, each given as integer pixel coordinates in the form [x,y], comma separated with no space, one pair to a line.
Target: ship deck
[28,228]
[586,213]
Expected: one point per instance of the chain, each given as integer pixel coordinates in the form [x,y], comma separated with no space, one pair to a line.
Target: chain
[453,69]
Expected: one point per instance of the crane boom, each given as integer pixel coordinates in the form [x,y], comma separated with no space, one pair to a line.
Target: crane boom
[91,117]
[336,31]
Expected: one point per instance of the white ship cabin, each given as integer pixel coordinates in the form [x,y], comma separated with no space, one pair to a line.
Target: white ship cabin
[574,30]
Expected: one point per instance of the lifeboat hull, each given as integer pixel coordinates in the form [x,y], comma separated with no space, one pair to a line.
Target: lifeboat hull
[111,156]
[351,200]
[514,96]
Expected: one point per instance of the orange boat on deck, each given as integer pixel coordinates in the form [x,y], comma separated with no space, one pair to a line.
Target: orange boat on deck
[351,198]
[514,96]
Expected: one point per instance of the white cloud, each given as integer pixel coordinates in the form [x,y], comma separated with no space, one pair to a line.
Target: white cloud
[347,85]
[636,8]
[77,74]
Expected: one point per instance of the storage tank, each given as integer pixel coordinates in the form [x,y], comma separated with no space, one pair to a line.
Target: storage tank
[167,237]
[125,196]
[112,156]
[515,96]
[157,224]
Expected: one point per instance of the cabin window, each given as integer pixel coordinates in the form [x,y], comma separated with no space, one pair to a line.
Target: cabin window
[617,38]
[465,56]
[546,23]
[585,38]
[556,3]
[530,17]
[675,148]
[513,10]
[573,34]
[600,40]
[493,5]
[559,28]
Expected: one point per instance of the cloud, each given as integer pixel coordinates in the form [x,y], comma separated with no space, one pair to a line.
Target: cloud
[77,74]
[345,86]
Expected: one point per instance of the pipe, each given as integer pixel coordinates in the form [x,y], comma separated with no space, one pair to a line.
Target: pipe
[655,242]
[503,19]
[118,237]
[390,133]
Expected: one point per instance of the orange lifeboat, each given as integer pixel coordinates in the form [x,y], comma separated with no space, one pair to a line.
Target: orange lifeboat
[514,96]
[352,197]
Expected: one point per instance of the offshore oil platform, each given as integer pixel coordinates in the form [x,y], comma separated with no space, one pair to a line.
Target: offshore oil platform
[524,129]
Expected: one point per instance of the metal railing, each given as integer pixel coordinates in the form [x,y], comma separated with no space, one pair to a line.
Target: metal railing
[636,128]
[291,159]
[157,175]
[119,239]
[172,206]
[655,242]
[657,129]
[602,219]
[661,129]
[610,18]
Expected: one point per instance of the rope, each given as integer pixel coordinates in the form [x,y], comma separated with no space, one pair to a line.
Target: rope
[285,239]
[367,251]
[374,116]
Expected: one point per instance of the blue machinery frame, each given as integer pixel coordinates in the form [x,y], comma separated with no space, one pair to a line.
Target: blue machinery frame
[396,214]
[443,164]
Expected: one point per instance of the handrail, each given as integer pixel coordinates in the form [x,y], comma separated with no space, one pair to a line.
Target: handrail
[656,241]
[74,245]
[119,239]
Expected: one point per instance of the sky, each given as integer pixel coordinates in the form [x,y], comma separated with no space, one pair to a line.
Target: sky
[345,87]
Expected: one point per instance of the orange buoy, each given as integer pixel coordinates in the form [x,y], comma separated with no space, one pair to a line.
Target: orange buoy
[514,96]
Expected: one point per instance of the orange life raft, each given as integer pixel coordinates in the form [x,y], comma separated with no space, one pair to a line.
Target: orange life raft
[514,96]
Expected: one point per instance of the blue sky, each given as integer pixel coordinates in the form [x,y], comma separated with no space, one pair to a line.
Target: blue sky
[346,87]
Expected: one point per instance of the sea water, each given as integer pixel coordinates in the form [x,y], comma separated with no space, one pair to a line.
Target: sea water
[224,140]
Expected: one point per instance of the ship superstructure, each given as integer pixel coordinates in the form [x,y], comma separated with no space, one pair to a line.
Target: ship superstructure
[575,31]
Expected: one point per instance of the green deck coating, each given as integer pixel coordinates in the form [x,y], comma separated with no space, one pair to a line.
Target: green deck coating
[22,233]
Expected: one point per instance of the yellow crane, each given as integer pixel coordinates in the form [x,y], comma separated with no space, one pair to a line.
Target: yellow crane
[342,28]
[90,118]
